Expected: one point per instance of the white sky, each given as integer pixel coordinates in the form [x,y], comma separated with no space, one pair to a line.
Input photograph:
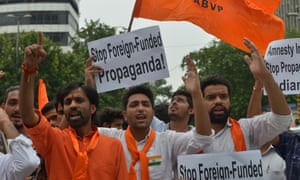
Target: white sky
[179,38]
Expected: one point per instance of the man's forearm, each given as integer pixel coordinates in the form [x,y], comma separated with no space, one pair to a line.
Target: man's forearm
[26,96]
[202,120]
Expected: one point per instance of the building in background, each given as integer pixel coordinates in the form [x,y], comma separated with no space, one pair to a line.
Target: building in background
[289,11]
[57,19]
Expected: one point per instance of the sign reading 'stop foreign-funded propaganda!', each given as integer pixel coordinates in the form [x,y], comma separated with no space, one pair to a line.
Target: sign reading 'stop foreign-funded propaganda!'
[283,61]
[243,165]
[129,59]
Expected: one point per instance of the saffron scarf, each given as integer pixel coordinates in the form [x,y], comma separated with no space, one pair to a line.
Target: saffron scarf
[138,155]
[81,164]
[237,135]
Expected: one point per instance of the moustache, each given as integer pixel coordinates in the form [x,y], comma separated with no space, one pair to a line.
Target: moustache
[218,107]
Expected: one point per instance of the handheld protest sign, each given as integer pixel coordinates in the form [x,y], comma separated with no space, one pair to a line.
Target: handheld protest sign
[234,165]
[129,59]
[283,61]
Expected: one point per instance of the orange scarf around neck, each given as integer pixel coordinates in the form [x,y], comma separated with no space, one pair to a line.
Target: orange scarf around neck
[81,164]
[237,135]
[138,155]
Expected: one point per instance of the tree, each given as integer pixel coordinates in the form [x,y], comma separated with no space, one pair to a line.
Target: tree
[51,70]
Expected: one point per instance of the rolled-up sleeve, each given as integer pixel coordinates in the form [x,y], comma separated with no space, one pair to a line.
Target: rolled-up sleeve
[199,143]
[21,161]
[190,142]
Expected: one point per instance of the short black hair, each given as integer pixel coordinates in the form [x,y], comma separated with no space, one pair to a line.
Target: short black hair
[137,90]
[181,92]
[47,107]
[8,90]
[108,114]
[215,80]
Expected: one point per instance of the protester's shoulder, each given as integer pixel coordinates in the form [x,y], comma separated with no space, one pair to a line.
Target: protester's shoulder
[290,135]
[254,119]
[106,138]
[111,132]
[171,133]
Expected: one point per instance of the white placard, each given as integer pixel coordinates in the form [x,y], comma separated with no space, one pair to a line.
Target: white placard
[235,165]
[283,61]
[129,59]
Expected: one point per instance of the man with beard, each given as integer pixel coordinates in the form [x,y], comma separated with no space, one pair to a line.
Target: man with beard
[11,106]
[247,133]
[79,151]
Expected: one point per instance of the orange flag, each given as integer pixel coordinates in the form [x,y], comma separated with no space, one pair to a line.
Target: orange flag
[228,20]
[269,6]
[42,94]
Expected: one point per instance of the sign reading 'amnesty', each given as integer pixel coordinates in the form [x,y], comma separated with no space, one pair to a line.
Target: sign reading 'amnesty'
[283,61]
[129,59]
[234,165]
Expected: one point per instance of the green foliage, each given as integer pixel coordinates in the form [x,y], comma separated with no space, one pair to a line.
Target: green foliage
[57,70]
[292,34]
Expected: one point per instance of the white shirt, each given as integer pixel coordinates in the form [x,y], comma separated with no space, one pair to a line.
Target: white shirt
[257,131]
[20,162]
[164,150]
[273,165]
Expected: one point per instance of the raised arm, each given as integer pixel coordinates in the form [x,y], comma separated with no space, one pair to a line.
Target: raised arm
[192,83]
[33,56]
[254,106]
[258,68]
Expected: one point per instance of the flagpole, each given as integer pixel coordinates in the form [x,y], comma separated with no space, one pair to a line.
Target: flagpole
[132,16]
[130,23]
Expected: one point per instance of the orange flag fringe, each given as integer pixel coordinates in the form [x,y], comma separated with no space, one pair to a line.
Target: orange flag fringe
[42,95]
[228,20]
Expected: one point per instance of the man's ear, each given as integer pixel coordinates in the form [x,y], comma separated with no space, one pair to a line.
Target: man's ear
[191,111]
[93,108]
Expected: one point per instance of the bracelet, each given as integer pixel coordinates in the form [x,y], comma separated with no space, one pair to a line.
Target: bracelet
[28,71]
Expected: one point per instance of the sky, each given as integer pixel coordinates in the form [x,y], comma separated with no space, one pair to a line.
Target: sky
[179,38]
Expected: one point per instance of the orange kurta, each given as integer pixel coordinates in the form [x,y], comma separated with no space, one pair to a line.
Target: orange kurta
[106,161]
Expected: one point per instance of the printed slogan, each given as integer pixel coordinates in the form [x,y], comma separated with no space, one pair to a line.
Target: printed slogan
[225,166]
[283,61]
[129,59]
